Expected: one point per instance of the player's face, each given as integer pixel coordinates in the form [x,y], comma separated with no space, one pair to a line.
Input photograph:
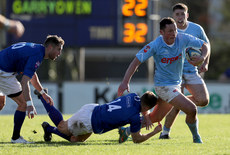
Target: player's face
[180,16]
[169,33]
[55,52]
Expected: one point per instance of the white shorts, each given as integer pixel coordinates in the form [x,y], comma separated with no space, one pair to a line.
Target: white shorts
[167,93]
[9,83]
[80,122]
[192,79]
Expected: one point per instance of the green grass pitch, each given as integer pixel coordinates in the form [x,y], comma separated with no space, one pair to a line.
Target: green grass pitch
[214,129]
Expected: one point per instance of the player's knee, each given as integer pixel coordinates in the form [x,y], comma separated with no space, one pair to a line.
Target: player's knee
[192,111]
[22,105]
[63,127]
[203,102]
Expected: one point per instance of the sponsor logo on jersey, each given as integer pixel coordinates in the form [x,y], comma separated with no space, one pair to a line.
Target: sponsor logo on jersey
[170,60]
[175,90]
[146,48]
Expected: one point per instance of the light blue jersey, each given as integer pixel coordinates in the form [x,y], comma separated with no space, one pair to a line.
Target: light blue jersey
[169,59]
[196,31]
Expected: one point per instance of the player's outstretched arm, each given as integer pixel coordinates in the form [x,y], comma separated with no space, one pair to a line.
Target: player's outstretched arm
[139,138]
[128,75]
[37,85]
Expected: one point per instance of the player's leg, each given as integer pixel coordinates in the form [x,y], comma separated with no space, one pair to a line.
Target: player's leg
[169,120]
[159,111]
[54,114]
[12,88]
[48,130]
[19,117]
[2,101]
[189,108]
[56,117]
[197,88]
[199,94]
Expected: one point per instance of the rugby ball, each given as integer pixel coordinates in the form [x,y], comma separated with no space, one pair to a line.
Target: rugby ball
[190,52]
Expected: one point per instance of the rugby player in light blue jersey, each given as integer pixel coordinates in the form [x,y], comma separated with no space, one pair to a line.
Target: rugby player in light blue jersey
[192,81]
[25,58]
[98,119]
[168,51]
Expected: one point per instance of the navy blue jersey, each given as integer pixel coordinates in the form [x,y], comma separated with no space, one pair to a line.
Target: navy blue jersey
[119,112]
[22,57]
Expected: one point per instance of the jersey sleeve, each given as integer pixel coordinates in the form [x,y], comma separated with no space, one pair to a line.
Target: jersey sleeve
[193,42]
[135,124]
[31,66]
[146,52]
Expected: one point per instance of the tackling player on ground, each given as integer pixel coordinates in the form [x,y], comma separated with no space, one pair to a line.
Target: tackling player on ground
[98,119]
[192,81]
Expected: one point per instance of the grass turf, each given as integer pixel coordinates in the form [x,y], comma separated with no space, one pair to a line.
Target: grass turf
[213,128]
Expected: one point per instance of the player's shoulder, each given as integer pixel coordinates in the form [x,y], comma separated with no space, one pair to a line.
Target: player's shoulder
[194,25]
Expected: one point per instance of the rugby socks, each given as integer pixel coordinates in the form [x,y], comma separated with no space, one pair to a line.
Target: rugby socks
[194,130]
[53,113]
[19,118]
[54,130]
[165,131]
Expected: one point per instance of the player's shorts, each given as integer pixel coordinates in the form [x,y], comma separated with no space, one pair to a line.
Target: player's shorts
[192,79]
[9,83]
[80,122]
[167,93]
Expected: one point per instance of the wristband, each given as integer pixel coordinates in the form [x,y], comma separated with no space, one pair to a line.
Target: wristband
[7,24]
[29,103]
[42,92]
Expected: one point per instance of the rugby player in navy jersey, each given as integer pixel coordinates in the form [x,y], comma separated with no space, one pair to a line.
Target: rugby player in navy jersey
[192,81]
[168,51]
[98,119]
[25,58]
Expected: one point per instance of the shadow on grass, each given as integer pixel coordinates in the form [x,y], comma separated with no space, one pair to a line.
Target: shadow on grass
[66,143]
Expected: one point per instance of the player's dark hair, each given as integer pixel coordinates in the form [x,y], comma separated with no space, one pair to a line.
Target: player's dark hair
[53,39]
[166,21]
[149,99]
[180,6]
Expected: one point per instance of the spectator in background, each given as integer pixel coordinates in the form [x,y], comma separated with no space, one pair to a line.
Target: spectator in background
[225,76]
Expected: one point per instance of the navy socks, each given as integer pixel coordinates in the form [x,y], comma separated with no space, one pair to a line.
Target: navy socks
[53,113]
[19,118]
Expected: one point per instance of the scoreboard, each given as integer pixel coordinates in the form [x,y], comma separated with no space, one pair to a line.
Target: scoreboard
[84,23]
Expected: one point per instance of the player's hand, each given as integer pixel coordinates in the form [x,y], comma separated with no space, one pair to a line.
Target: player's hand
[16,28]
[31,111]
[158,128]
[48,99]
[203,67]
[196,60]
[148,122]
[123,86]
